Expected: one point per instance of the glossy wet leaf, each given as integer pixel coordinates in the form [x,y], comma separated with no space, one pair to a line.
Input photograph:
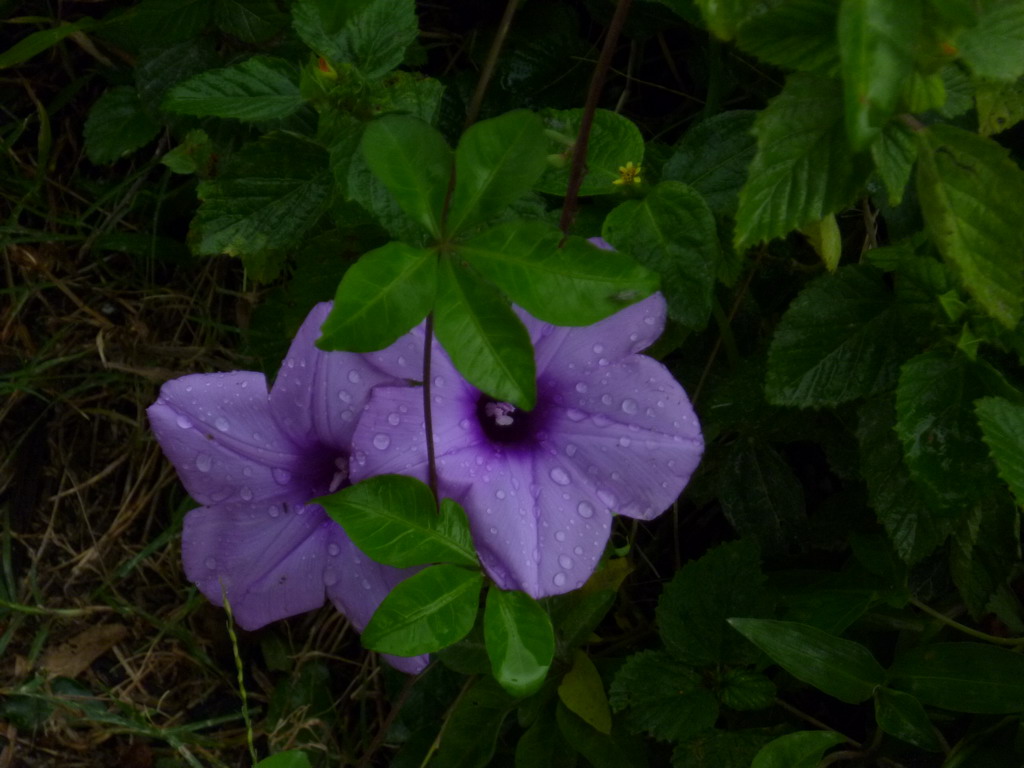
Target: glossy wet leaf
[800,34]
[520,640]
[803,749]
[901,715]
[260,88]
[582,692]
[473,726]
[962,677]
[614,142]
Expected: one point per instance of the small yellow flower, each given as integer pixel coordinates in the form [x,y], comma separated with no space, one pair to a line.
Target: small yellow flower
[628,174]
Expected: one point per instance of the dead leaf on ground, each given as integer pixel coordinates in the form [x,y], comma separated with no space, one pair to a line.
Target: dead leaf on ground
[72,658]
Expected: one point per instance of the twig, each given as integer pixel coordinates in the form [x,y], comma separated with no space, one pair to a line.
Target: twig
[428,421]
[473,112]
[976,634]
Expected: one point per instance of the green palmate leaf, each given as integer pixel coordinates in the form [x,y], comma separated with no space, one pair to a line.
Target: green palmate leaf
[693,609]
[672,232]
[251,21]
[720,748]
[894,153]
[395,520]
[843,337]
[876,46]
[484,338]
[472,728]
[520,640]
[117,125]
[725,17]
[796,750]
[414,163]
[428,611]
[662,697]
[372,34]
[260,88]
[936,423]
[381,296]
[840,668]
[40,41]
[576,284]
[293,758]
[799,34]
[803,169]
[994,47]
[972,196]
[760,495]
[582,692]
[985,550]
[1002,428]
[614,142]
[265,197]
[497,162]
[901,715]
[915,522]
[963,677]
[713,158]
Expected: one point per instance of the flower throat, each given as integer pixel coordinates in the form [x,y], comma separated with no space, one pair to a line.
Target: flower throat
[502,422]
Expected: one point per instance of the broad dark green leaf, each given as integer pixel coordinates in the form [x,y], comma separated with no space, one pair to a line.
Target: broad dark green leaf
[901,715]
[843,338]
[985,549]
[963,677]
[994,47]
[725,17]
[472,728]
[260,88]
[157,70]
[194,155]
[117,125]
[799,34]
[293,758]
[971,194]
[1000,106]
[543,744]
[251,21]
[760,495]
[745,690]
[1002,428]
[803,169]
[156,23]
[372,34]
[599,749]
[381,296]
[414,162]
[672,232]
[841,668]
[265,197]
[721,748]
[614,142]
[577,284]
[830,601]
[694,606]
[485,340]
[796,750]
[894,153]
[662,697]
[582,692]
[395,520]
[877,39]
[428,611]
[497,162]
[713,158]
[520,640]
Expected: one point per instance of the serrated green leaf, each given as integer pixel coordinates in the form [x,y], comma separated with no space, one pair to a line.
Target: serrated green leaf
[156,23]
[962,677]
[894,153]
[713,158]
[985,550]
[915,522]
[485,340]
[193,155]
[117,125]
[959,90]
[576,284]
[725,17]
[614,142]
[799,34]
[395,520]
[582,692]
[251,21]
[472,728]
[972,197]
[841,668]
[694,606]
[843,337]
[260,88]
[1002,428]
[672,232]
[497,162]
[293,758]
[383,295]
[994,47]
[662,697]
[37,42]
[803,169]
[265,197]
[876,46]
[157,70]
[428,611]
[745,690]
[901,715]
[414,162]
[1000,106]
[826,241]
[520,640]
[796,750]
[372,34]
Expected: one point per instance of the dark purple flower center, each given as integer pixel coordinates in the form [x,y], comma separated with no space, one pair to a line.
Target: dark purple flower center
[503,422]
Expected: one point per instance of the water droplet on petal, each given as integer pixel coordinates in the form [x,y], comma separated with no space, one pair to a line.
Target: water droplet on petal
[246,493]
[381,442]
[221,424]
[559,535]
[273,510]
[606,399]
[585,508]
[649,320]
[629,406]
[601,420]
[578,551]
[607,498]
[330,578]
[570,450]
[401,360]
[394,419]
[494,531]
[464,424]
[575,415]
[499,494]
[333,550]
[353,376]
[598,349]
[281,475]
[204,462]
[624,442]
[559,579]
[565,561]
[581,387]
[210,563]
[183,422]
[603,361]
[559,476]
[438,381]
[290,362]
[366,585]
[344,396]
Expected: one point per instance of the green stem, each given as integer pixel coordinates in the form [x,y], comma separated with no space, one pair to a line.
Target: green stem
[976,634]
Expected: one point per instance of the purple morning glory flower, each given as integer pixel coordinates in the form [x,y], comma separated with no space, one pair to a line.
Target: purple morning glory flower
[612,432]
[254,459]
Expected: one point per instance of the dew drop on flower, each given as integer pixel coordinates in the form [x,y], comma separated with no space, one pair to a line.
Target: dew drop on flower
[607,498]
[559,535]
[353,377]
[381,442]
[344,396]
[366,585]
[606,399]
[598,349]
[629,406]
[464,424]
[559,476]
[333,549]
[281,475]
[183,422]
[601,420]
[438,381]
[559,579]
[273,510]
[204,462]
[210,563]
[221,424]
[578,551]
[330,578]
[246,493]
[624,442]
[575,415]
[494,531]
[500,494]
[581,387]
[565,561]
[586,509]
[394,419]
[570,450]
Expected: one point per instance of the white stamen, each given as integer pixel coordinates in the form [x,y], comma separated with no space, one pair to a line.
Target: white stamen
[501,413]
